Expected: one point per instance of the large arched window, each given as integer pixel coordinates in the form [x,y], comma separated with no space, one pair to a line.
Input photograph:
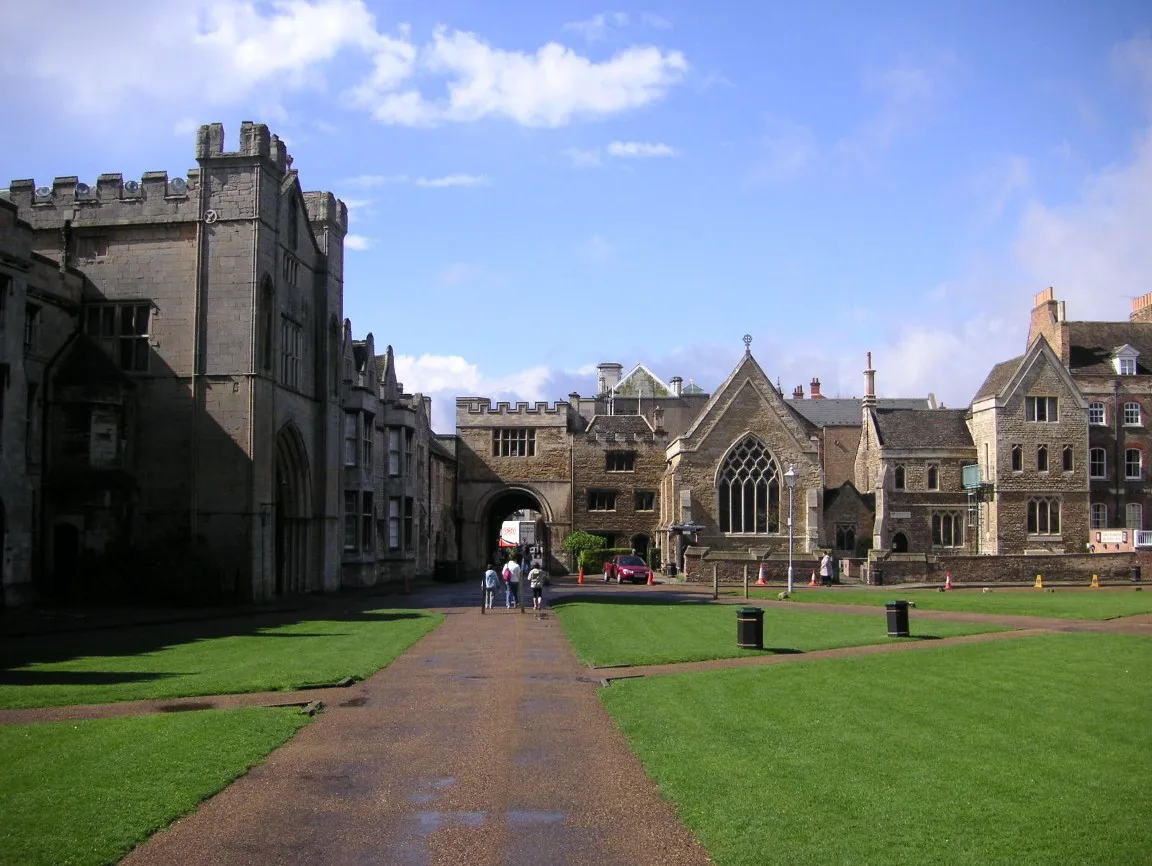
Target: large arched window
[748,489]
[264,336]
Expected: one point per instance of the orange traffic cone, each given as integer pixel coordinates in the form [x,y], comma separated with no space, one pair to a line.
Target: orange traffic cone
[947,580]
[761,580]
[813,582]
[651,582]
[580,579]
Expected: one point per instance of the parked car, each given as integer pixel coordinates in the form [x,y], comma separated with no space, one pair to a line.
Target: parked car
[627,567]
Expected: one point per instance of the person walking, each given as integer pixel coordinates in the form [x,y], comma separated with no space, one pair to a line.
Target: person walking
[490,582]
[513,583]
[826,569]
[536,581]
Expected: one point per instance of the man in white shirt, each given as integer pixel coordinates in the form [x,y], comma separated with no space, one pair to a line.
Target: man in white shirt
[513,584]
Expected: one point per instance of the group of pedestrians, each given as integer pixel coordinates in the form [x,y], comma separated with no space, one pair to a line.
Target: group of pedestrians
[510,578]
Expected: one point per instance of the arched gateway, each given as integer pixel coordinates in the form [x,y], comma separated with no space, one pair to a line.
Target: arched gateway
[293,511]
[502,504]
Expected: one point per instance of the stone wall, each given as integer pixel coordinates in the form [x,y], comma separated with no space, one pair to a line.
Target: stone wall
[590,473]
[1058,568]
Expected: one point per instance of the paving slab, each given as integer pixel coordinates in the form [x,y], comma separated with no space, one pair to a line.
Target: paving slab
[484,744]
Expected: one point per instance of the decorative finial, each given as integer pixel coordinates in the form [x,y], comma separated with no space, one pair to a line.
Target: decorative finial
[747,342]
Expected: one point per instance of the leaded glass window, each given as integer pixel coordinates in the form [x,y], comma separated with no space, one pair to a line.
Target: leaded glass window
[748,491]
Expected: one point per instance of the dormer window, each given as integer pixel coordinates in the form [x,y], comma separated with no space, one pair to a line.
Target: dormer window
[1124,360]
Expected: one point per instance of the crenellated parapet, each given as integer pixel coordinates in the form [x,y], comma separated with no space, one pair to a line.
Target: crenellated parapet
[111,200]
[327,210]
[480,412]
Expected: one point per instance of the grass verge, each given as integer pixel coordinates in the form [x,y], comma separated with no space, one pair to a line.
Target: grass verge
[88,792]
[1065,602]
[314,652]
[1032,751]
[636,632]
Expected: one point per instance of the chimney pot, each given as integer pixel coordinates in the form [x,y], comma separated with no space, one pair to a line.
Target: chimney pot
[798,392]
[815,388]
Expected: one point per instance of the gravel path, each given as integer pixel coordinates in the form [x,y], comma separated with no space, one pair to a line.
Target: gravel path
[484,744]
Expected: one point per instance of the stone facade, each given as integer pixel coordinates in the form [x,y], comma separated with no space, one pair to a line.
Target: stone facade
[204,364]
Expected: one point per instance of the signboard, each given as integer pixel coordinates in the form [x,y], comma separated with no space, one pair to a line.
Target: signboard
[509,533]
[900,514]
[1112,536]
[527,532]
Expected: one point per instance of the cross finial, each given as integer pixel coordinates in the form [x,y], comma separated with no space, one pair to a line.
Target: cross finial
[747,342]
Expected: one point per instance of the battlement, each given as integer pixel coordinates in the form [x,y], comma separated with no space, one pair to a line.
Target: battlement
[326,209]
[71,194]
[479,411]
[255,141]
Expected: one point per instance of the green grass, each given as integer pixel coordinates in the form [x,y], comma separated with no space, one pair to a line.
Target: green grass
[1065,602]
[1031,751]
[609,632]
[314,652]
[88,792]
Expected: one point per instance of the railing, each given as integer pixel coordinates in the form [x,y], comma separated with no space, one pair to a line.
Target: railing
[1143,538]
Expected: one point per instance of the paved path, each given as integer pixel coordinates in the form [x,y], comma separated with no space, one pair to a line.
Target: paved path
[484,744]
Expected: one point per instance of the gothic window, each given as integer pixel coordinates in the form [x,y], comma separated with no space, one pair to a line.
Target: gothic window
[933,478]
[351,517]
[1043,517]
[1041,458]
[601,500]
[366,441]
[900,478]
[846,536]
[1043,409]
[947,530]
[1067,459]
[351,438]
[290,340]
[645,500]
[748,491]
[621,461]
[1095,413]
[1017,458]
[1097,463]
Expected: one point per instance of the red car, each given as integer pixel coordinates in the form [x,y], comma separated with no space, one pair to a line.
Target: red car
[626,567]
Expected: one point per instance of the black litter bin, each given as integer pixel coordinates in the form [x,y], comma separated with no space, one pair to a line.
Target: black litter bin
[750,628]
[1135,574]
[877,576]
[671,569]
[897,618]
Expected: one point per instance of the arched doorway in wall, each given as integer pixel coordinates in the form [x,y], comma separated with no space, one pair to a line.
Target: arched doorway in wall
[521,505]
[293,511]
[640,544]
[899,543]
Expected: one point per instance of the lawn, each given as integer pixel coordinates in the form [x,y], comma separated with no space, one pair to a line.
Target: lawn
[1031,751]
[88,792]
[1064,602]
[636,632]
[315,652]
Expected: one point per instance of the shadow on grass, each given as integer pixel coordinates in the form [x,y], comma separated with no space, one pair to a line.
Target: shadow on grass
[663,600]
[134,640]
[78,678]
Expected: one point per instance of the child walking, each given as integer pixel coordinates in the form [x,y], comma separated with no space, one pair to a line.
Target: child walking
[490,582]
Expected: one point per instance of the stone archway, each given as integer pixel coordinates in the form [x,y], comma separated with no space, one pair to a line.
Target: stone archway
[508,501]
[899,543]
[293,508]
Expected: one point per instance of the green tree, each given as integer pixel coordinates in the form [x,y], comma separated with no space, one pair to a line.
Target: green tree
[579,542]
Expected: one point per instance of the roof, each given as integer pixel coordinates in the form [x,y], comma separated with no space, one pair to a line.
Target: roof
[641,382]
[846,411]
[917,428]
[998,379]
[692,388]
[1092,344]
[636,424]
[435,446]
[848,488]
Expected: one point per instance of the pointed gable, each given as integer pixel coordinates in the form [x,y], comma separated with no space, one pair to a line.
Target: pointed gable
[641,382]
[386,372]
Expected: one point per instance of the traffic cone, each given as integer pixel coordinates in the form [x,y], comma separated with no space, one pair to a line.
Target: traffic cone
[947,580]
[813,582]
[1039,582]
[762,579]
[651,582]
[580,579]
[1095,582]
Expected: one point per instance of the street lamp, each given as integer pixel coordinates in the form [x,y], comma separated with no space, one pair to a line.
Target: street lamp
[790,479]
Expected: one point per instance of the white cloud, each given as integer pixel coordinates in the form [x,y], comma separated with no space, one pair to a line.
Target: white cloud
[1133,60]
[584,158]
[184,126]
[358,242]
[550,88]
[657,22]
[639,149]
[452,180]
[599,25]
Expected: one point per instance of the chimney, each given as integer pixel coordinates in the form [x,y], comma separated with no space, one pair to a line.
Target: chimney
[1049,320]
[1141,309]
[869,384]
[815,388]
[798,392]
[607,377]
[677,385]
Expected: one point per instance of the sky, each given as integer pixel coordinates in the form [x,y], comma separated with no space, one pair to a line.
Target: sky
[534,188]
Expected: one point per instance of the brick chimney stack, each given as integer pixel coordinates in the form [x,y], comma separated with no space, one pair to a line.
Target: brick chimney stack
[798,392]
[815,389]
[1141,309]
[1049,321]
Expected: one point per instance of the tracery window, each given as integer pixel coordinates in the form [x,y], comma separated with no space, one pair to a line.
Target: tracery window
[748,490]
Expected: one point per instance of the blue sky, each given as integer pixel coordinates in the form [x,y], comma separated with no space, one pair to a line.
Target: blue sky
[538,187]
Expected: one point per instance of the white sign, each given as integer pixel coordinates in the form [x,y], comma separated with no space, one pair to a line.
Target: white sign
[527,532]
[1112,536]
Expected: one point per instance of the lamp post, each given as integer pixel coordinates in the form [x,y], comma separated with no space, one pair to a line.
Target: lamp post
[790,479]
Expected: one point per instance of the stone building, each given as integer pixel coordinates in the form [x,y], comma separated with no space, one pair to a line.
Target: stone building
[187,386]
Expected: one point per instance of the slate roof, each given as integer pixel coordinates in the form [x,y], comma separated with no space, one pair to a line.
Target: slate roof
[1000,376]
[848,488]
[918,428]
[1091,345]
[619,424]
[847,411]
[693,388]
